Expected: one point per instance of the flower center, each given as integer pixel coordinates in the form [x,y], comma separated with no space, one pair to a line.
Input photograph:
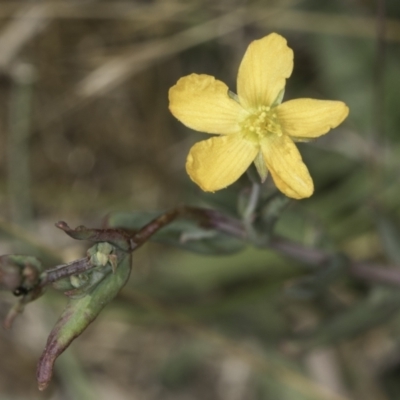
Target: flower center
[261,123]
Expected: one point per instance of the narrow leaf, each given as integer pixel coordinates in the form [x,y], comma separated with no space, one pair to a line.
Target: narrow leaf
[78,314]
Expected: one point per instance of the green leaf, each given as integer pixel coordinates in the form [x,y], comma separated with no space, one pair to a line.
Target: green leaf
[78,314]
[390,237]
[378,308]
[270,211]
[316,284]
[184,234]
[117,238]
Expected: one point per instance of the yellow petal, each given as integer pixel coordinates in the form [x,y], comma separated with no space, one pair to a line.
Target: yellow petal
[202,103]
[218,162]
[309,118]
[263,71]
[288,171]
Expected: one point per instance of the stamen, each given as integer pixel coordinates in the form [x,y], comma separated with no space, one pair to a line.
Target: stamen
[261,123]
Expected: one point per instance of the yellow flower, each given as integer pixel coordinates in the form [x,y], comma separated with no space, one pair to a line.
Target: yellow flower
[253,126]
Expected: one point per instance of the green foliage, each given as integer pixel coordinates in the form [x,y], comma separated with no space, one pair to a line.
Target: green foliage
[184,234]
[79,313]
[278,286]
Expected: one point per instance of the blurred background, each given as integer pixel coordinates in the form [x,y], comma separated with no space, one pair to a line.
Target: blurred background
[86,131]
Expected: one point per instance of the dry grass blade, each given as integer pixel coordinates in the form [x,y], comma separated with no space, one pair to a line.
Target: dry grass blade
[332,24]
[28,22]
[96,10]
[117,70]
[120,68]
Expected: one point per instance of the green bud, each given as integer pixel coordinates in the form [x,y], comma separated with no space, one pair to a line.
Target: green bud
[100,254]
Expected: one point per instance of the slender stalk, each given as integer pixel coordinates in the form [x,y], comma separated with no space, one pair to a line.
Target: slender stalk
[252,203]
[18,145]
[231,226]
[205,217]
[62,271]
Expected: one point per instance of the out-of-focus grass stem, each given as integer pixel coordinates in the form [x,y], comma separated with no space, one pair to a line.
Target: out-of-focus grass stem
[286,376]
[19,178]
[380,68]
[378,130]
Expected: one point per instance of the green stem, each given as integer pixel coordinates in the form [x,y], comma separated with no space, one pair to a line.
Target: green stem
[248,213]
